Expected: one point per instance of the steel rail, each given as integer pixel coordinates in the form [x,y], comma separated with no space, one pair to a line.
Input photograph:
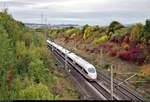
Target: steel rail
[99,88]
[121,88]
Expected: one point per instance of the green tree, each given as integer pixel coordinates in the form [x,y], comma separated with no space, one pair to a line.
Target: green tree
[147,25]
[146,32]
[136,33]
[84,27]
[114,25]
[35,92]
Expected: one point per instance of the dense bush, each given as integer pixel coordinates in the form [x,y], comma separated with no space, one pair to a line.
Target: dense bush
[136,32]
[125,56]
[119,35]
[133,54]
[114,25]
[113,53]
[35,92]
[125,46]
[100,40]
[89,31]
[84,27]
[72,31]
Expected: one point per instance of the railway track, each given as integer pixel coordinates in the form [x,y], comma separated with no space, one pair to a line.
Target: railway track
[100,89]
[123,91]
[79,78]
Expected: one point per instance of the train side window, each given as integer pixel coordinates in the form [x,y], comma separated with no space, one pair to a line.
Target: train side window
[63,54]
[70,59]
[85,71]
[79,66]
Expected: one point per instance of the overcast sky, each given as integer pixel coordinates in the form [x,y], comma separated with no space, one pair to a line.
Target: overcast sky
[93,12]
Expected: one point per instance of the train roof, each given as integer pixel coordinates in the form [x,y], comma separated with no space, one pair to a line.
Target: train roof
[80,60]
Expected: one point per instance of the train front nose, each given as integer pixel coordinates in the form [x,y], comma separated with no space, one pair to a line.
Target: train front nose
[93,76]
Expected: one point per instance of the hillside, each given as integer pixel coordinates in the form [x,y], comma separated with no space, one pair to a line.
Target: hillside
[128,48]
[27,71]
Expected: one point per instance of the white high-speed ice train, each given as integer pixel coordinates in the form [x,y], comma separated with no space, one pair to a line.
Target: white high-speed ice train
[85,68]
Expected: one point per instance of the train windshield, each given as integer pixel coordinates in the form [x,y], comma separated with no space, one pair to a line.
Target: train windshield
[91,70]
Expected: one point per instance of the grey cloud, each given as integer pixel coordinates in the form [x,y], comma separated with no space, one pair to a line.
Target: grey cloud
[102,18]
[15,4]
[124,11]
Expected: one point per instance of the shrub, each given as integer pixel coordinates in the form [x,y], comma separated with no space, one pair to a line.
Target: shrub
[119,35]
[100,40]
[125,56]
[122,39]
[133,54]
[113,53]
[141,46]
[106,66]
[87,32]
[73,35]
[114,25]
[101,34]
[141,61]
[84,27]
[36,92]
[95,28]
[125,46]
[127,40]
[136,32]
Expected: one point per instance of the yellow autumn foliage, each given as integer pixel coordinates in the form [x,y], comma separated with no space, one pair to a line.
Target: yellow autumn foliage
[100,40]
[125,45]
[136,32]
[73,35]
[68,32]
[87,33]
[89,30]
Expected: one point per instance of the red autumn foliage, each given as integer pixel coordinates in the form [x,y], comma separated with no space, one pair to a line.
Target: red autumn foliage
[141,61]
[107,50]
[113,53]
[125,56]
[114,40]
[134,52]
[127,40]
[141,46]
[122,39]
[10,79]
[67,39]
[133,55]
[148,48]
